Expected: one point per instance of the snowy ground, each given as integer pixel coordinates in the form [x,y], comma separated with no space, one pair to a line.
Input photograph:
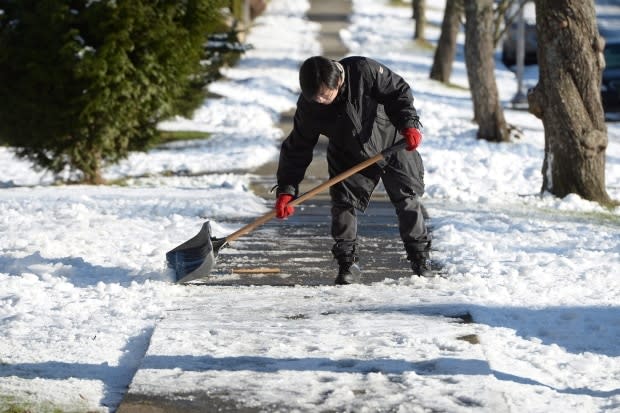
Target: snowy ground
[83,284]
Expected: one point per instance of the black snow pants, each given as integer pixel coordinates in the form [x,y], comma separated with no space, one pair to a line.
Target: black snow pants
[403,179]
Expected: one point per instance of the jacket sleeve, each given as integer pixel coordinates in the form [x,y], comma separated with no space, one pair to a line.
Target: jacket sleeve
[391,90]
[296,151]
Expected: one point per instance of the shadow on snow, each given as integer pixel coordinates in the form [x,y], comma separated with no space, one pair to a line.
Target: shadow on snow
[436,367]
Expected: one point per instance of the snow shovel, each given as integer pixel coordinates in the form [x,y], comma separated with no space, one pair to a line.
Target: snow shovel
[195,258]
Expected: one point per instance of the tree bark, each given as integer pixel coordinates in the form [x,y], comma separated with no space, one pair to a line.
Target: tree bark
[479,49]
[446,47]
[567,99]
[419,16]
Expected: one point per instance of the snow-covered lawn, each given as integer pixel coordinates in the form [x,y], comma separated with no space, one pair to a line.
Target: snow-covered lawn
[84,288]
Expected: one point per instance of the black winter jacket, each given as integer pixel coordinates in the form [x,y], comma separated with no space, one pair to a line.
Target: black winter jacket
[371,107]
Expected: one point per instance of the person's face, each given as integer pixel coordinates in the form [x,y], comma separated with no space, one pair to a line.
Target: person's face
[326,96]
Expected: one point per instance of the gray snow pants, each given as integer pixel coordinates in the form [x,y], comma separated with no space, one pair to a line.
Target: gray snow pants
[404,183]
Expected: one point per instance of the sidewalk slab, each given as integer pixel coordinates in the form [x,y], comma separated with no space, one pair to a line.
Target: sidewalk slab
[262,357]
[245,351]
[299,249]
[333,16]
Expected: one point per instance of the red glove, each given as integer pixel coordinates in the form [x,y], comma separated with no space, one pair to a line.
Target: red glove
[282,209]
[413,138]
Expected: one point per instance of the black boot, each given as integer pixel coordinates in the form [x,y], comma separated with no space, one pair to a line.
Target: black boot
[419,256]
[421,264]
[348,273]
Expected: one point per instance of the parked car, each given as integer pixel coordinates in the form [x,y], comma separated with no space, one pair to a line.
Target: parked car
[610,87]
[607,16]
[608,21]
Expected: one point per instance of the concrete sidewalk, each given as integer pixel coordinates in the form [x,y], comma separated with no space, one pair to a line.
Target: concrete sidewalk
[299,249]
[296,251]
[290,252]
[277,243]
[333,16]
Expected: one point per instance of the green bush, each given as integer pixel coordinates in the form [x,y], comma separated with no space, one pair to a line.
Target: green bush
[86,81]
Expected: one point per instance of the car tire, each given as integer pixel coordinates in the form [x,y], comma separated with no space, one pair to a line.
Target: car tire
[508,60]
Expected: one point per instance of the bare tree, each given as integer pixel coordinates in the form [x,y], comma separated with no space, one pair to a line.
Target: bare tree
[505,16]
[450,26]
[479,48]
[567,99]
[419,16]
[446,47]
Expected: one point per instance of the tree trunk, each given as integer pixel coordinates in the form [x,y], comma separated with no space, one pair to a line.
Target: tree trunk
[567,99]
[479,50]
[446,47]
[89,160]
[419,16]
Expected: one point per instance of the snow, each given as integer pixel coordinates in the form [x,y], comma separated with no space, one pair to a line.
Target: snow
[84,289]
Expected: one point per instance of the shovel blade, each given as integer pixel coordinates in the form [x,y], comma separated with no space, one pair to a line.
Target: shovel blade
[195,258]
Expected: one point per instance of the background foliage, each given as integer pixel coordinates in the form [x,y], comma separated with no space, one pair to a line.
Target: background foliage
[86,81]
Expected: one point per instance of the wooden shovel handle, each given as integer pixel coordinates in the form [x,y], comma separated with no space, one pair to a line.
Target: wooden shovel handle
[318,189]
